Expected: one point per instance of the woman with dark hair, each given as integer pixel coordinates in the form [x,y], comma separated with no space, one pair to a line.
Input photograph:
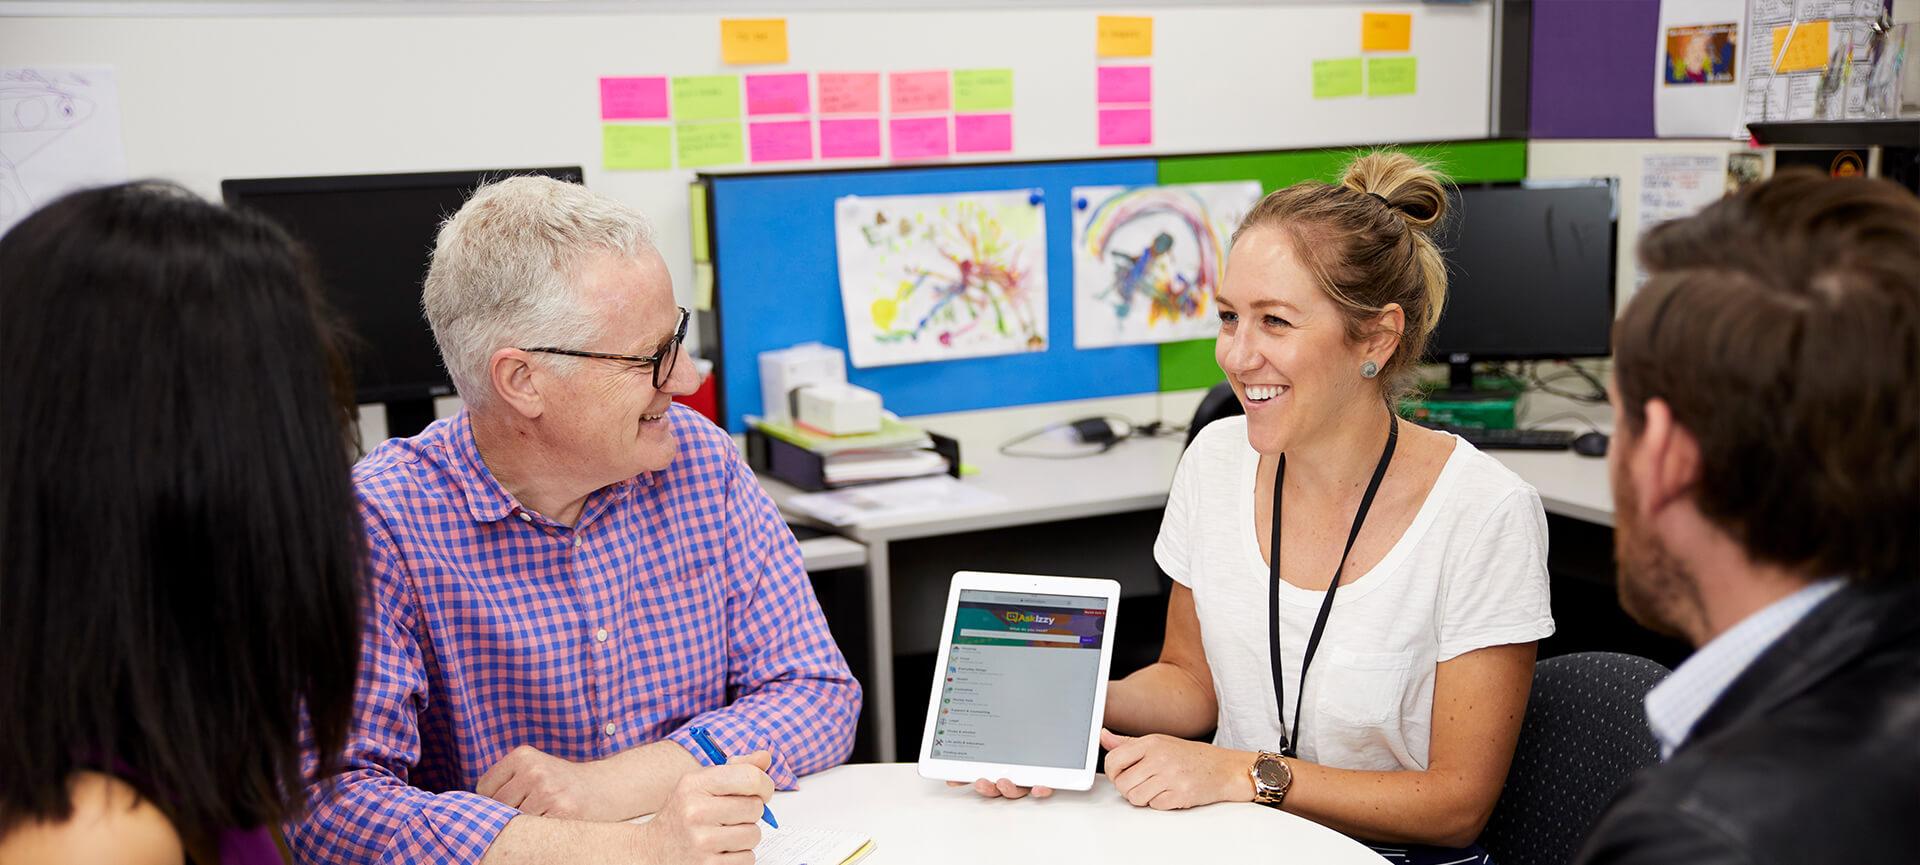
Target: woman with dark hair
[179,551]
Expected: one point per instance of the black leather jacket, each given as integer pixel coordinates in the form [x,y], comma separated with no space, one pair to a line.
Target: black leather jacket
[1811,756]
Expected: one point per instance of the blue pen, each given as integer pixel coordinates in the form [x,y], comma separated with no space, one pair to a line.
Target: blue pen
[719,758]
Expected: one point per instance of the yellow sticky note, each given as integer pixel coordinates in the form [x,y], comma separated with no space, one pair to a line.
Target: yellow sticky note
[1125,36]
[636,147]
[697,211]
[753,41]
[1386,31]
[1808,50]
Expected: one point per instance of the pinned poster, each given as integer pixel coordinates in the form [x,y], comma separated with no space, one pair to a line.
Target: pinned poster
[1336,79]
[850,139]
[1124,36]
[780,141]
[1147,261]
[1124,85]
[60,132]
[1697,68]
[633,98]
[753,41]
[919,137]
[706,97]
[849,92]
[1384,31]
[1124,127]
[785,93]
[983,133]
[912,92]
[1805,50]
[702,144]
[983,90]
[636,147]
[1391,76]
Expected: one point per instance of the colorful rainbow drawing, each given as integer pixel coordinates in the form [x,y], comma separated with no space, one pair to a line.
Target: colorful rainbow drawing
[1146,274]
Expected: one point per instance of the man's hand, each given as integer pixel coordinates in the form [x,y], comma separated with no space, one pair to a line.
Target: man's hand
[541,784]
[1165,773]
[711,816]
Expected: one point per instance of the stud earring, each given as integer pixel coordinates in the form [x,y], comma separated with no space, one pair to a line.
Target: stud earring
[1369,369]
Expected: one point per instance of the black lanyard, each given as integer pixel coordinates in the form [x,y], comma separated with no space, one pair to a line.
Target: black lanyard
[1290,744]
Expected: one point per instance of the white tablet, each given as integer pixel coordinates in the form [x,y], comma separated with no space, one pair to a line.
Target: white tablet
[1021,686]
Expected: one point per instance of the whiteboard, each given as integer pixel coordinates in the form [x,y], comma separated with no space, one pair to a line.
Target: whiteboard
[208,97]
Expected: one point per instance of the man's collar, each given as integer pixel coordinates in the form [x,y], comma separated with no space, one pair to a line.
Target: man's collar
[487,500]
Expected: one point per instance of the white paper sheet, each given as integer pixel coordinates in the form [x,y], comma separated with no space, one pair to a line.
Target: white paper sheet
[59,131]
[808,847]
[1148,260]
[942,277]
[1701,41]
[857,505]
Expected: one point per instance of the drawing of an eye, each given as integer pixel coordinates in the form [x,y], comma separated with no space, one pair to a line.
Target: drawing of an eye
[23,110]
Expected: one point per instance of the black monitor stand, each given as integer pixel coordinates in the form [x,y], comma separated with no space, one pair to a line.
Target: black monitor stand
[407,417]
[1460,383]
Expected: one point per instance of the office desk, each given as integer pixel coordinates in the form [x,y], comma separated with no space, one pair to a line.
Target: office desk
[912,819]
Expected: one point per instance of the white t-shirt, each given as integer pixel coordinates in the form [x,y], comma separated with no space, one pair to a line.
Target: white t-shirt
[1470,572]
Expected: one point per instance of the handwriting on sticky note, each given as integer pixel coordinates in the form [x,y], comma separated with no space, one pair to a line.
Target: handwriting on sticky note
[982,89]
[1125,36]
[1121,127]
[1807,50]
[918,91]
[636,147]
[752,41]
[850,139]
[706,97]
[1125,84]
[785,93]
[1385,31]
[703,144]
[849,92]
[1333,79]
[1390,76]
[919,137]
[633,98]
[983,133]
[780,141]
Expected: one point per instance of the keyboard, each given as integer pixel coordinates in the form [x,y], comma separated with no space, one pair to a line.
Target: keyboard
[1511,439]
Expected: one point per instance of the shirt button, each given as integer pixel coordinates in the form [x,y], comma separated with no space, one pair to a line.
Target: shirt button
[600,635]
[526,517]
[610,728]
[576,541]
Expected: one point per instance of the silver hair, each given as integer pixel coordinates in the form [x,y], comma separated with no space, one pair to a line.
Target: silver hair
[503,270]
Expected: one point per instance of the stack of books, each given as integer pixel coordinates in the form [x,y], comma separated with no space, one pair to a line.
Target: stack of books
[898,450]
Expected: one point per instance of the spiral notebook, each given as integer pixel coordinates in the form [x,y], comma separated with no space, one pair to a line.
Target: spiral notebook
[810,847]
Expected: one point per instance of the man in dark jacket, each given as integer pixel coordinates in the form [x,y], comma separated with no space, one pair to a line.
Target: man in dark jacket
[1766,477]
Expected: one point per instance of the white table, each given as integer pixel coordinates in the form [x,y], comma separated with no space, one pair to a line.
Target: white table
[915,820]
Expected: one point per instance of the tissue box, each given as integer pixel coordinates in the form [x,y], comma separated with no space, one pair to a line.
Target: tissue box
[837,409]
[803,365]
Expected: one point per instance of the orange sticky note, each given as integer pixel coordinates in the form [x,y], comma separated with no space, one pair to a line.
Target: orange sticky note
[1808,50]
[753,41]
[1386,31]
[1125,36]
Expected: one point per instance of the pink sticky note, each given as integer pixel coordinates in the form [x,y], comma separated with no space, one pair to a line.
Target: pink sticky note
[919,137]
[850,93]
[1125,84]
[633,98]
[1124,126]
[780,141]
[983,133]
[777,94]
[849,139]
[919,91]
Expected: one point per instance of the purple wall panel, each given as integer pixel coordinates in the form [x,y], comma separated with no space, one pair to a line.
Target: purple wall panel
[1593,64]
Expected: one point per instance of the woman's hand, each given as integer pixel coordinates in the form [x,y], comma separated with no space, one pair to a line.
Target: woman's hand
[1164,773]
[1004,789]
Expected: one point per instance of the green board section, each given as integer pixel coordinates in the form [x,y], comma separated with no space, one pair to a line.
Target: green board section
[1189,365]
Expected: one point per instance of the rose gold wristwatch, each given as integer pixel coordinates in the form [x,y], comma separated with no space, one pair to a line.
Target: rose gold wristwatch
[1271,778]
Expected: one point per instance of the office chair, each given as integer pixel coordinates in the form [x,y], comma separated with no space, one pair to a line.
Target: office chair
[1585,732]
[1218,403]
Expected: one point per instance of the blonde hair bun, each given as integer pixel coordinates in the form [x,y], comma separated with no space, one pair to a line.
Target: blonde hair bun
[1410,187]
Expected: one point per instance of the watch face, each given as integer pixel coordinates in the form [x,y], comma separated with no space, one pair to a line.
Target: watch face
[1271,773]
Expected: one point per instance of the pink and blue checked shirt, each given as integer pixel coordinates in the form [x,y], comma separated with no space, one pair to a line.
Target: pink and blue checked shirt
[678,599]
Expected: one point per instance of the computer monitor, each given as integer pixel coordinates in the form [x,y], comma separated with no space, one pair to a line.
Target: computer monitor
[1530,269]
[371,236]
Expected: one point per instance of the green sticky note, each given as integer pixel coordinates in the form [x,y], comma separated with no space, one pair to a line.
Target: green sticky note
[697,209]
[1390,76]
[706,97]
[982,89]
[1333,79]
[702,144]
[633,147]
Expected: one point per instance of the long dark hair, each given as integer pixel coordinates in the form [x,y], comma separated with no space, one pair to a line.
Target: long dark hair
[179,549]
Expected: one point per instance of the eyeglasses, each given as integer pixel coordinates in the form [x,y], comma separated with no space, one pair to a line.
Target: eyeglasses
[661,361]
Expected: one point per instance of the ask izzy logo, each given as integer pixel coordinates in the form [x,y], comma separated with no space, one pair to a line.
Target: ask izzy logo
[1016,617]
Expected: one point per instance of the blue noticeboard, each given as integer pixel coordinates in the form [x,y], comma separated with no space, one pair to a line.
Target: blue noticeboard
[777,283]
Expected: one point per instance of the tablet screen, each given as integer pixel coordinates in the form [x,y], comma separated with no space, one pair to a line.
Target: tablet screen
[1020,679]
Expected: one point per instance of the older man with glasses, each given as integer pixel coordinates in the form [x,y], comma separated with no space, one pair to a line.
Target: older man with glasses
[569,576]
